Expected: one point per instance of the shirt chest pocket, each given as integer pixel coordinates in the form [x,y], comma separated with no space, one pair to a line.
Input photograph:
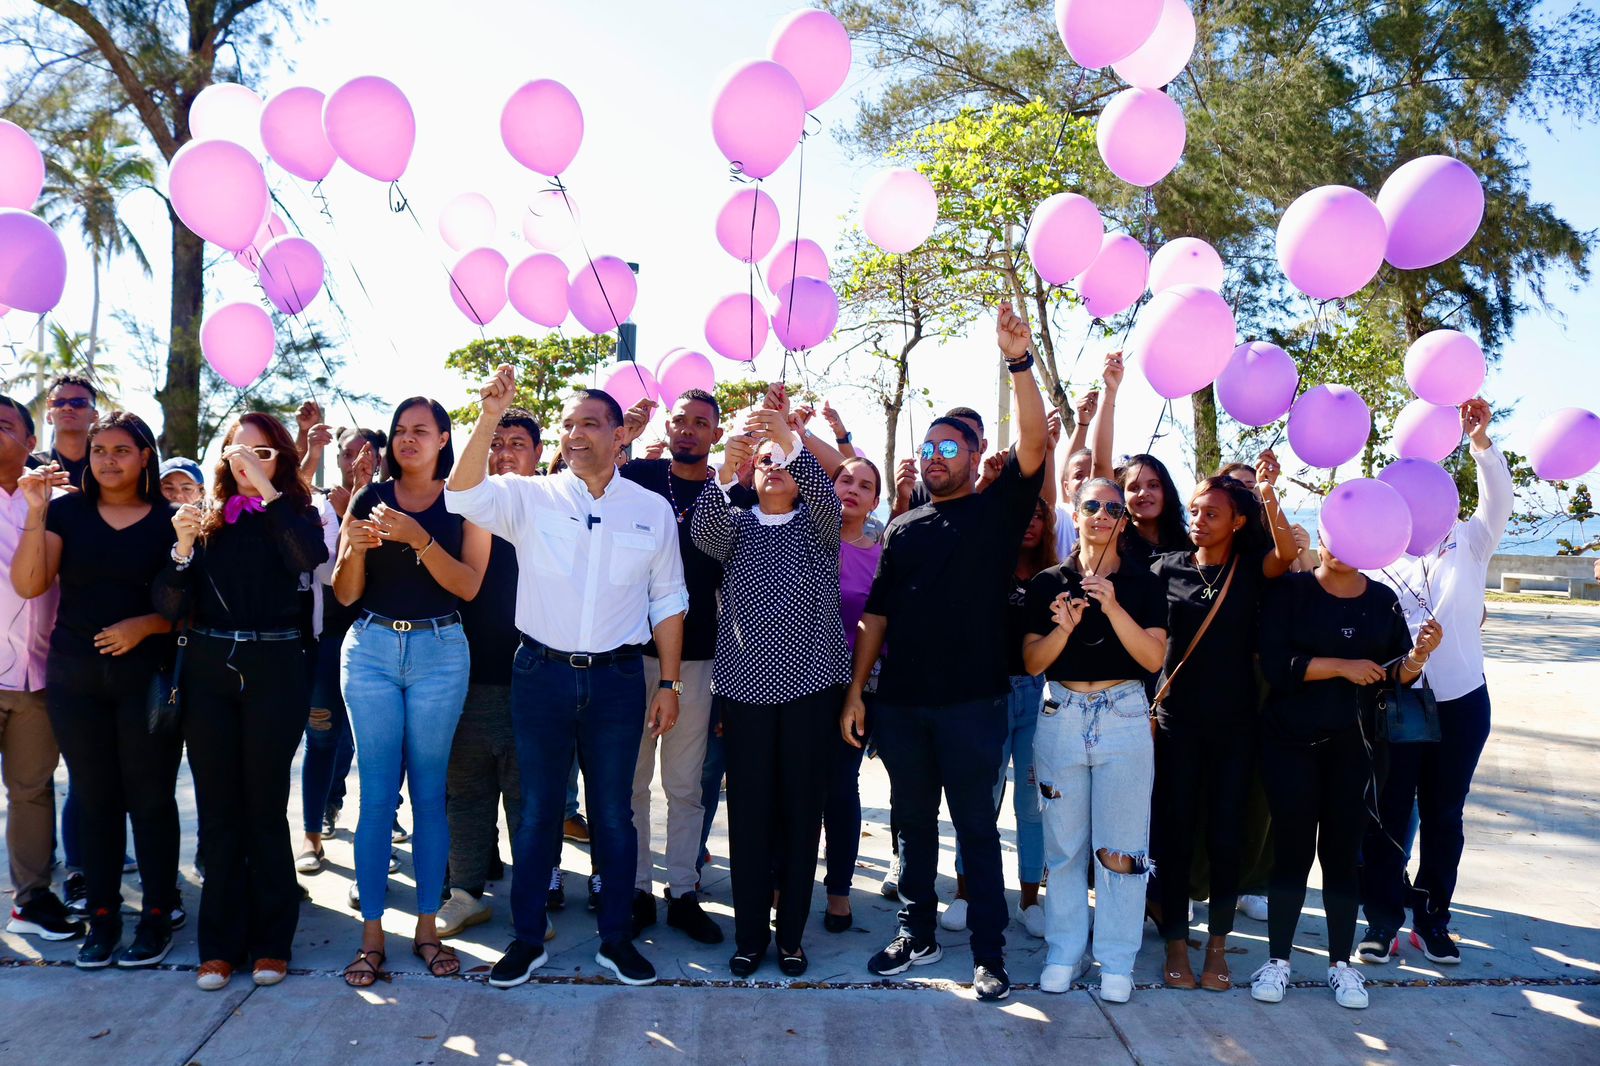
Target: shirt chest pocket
[555,544]
[630,557]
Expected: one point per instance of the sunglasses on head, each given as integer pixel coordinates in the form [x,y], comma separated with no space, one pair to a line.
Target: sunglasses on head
[1112,508]
[77,403]
[947,449]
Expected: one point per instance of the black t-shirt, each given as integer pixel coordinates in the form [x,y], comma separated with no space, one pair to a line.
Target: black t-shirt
[702,575]
[106,573]
[1016,626]
[1094,652]
[490,617]
[943,581]
[76,468]
[1217,686]
[397,585]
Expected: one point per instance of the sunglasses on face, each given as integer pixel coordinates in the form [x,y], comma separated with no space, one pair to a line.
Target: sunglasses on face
[947,449]
[265,454]
[1112,508]
[77,403]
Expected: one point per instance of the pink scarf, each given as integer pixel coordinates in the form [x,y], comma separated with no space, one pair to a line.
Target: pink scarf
[238,505]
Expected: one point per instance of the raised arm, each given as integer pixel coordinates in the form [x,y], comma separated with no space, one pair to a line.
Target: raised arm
[494,397]
[841,436]
[1285,550]
[1495,494]
[1101,462]
[822,503]
[38,556]
[1016,345]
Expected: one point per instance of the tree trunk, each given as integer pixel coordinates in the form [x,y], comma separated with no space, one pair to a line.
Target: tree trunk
[94,309]
[1207,449]
[180,396]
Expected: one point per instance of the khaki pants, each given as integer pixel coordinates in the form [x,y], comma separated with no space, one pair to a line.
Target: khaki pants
[683,756]
[28,757]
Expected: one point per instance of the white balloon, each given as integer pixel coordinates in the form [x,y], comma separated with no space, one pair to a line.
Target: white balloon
[229,112]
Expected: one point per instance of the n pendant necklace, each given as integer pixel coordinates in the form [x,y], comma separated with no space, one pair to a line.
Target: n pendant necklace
[1208,593]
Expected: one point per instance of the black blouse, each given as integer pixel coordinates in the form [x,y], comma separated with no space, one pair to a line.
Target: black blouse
[105,573]
[398,585]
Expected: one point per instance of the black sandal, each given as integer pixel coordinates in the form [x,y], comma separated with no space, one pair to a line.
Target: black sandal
[374,970]
[792,963]
[838,923]
[441,955]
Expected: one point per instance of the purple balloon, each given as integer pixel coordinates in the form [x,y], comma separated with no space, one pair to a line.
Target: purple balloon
[292,133]
[1423,430]
[1182,340]
[757,117]
[21,167]
[807,311]
[1141,134]
[1445,367]
[1329,425]
[1165,53]
[1116,279]
[370,124]
[602,293]
[1365,523]
[478,284]
[1186,261]
[238,340]
[814,47]
[291,273]
[628,383]
[537,288]
[1331,242]
[33,265]
[681,370]
[1257,387]
[542,126]
[1431,496]
[219,192]
[899,209]
[747,225]
[1433,207]
[737,328]
[1064,236]
[796,259]
[1566,445]
[1098,33]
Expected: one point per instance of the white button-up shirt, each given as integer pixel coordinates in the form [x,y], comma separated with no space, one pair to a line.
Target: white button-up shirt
[25,644]
[593,574]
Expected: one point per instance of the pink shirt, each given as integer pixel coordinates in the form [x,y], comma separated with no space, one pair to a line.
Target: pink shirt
[856,569]
[27,623]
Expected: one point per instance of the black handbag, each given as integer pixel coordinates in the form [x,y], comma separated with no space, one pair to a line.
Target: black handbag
[1408,715]
[164,698]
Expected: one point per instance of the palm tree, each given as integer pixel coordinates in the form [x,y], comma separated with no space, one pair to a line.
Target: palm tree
[37,367]
[87,174]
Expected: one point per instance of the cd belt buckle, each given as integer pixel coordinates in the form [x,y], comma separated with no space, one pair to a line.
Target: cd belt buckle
[401,625]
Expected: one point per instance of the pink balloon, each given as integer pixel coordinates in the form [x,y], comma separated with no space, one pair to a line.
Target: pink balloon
[1566,445]
[1431,496]
[478,284]
[1182,340]
[747,225]
[466,220]
[628,383]
[1115,280]
[803,258]
[273,228]
[1141,134]
[1433,206]
[33,264]
[1098,33]
[549,223]
[1165,53]
[291,273]
[292,133]
[807,311]
[814,47]
[237,339]
[226,111]
[757,117]
[1064,236]
[1331,242]
[370,124]
[1365,523]
[542,126]
[1186,261]
[21,167]
[1257,386]
[1329,425]
[603,293]
[4,310]
[899,209]
[537,288]
[682,370]
[1445,366]
[1426,431]
[219,192]
[736,328]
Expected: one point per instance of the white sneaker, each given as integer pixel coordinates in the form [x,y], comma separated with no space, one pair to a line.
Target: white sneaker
[1115,987]
[1268,984]
[1058,977]
[1033,920]
[1349,986]
[1254,907]
[460,911]
[954,917]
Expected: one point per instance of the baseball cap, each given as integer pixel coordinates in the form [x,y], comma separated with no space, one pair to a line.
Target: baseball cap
[188,467]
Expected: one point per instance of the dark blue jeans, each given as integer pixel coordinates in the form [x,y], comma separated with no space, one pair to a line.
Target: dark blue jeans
[1434,779]
[553,707]
[330,745]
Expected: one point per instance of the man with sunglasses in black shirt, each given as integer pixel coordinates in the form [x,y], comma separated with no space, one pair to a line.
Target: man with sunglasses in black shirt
[938,603]
[70,411]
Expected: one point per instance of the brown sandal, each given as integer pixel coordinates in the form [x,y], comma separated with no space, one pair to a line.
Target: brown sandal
[441,957]
[1179,973]
[371,975]
[1215,976]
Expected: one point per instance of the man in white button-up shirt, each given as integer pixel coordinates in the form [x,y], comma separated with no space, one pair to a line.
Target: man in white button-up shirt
[599,575]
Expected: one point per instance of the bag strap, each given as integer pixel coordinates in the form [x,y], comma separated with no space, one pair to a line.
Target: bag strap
[1166,686]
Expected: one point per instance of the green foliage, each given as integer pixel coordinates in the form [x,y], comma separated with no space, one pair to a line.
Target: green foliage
[64,353]
[548,370]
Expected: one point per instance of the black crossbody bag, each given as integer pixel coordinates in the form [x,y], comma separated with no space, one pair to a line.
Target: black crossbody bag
[1408,715]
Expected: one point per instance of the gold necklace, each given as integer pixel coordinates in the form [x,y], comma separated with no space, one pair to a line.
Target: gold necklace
[1210,591]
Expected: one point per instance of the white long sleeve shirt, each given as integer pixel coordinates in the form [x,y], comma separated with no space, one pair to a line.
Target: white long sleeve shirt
[593,574]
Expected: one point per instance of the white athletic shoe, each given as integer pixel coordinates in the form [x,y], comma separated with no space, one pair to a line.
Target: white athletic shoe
[1268,984]
[954,917]
[1033,920]
[1115,987]
[1349,986]
[1058,978]
[1254,907]
[460,911]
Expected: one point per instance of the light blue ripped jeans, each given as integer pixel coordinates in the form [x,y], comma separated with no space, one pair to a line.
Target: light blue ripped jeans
[1095,764]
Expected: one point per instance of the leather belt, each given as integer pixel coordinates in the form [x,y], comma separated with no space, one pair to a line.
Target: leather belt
[580,660]
[247,634]
[406,625]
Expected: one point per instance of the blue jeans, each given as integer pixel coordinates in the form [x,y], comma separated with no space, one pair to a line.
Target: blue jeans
[1023,706]
[330,745]
[1095,764]
[404,692]
[553,706]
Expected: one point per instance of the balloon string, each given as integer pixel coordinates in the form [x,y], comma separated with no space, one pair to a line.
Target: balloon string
[311,335]
[755,204]
[1300,383]
[1061,135]
[794,259]
[404,205]
[1119,529]
[624,349]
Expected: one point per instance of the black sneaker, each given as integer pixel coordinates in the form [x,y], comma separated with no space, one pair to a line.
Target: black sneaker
[46,917]
[99,947]
[76,888]
[903,953]
[644,911]
[594,893]
[624,960]
[990,980]
[178,916]
[683,912]
[1378,945]
[517,964]
[557,898]
[1436,943]
[151,942]
[745,963]
[330,822]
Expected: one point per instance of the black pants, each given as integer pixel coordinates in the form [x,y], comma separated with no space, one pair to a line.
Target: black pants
[841,814]
[778,762]
[97,710]
[1317,793]
[245,709]
[1203,778]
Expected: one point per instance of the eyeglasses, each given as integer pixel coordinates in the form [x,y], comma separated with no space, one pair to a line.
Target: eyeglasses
[947,449]
[77,403]
[1113,509]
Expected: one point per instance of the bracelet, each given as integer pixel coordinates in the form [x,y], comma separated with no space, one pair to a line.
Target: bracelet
[425,548]
[846,439]
[1025,363]
[1411,657]
[182,561]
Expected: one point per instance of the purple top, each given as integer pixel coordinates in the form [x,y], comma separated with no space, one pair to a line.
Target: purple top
[856,569]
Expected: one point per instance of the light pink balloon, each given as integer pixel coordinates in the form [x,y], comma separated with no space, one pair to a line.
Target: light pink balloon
[292,133]
[291,273]
[1329,425]
[4,310]
[478,284]
[219,192]
[1445,366]
[21,167]
[1064,236]
[1365,523]
[628,383]
[736,328]
[814,47]
[370,124]
[1257,386]
[1116,279]
[33,264]
[602,294]
[1566,445]
[1423,430]
[1165,53]
[542,126]
[757,116]
[1182,340]
[1141,134]
[747,225]
[537,288]
[228,112]
[549,224]
[466,220]
[1098,33]
[803,258]
[1431,496]
[1433,206]
[807,311]
[899,209]
[682,370]
[1331,242]
[273,228]
[1186,261]
[238,341]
